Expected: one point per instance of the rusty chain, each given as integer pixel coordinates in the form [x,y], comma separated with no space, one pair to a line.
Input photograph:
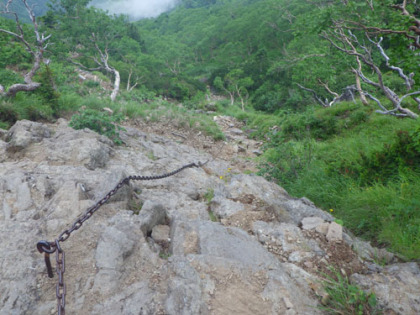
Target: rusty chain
[50,247]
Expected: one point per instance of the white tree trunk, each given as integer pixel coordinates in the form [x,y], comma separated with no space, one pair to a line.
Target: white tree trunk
[117,81]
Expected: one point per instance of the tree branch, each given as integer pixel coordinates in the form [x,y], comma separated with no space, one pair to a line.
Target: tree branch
[409,82]
[323,103]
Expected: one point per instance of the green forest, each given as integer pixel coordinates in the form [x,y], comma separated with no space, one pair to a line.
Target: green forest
[331,87]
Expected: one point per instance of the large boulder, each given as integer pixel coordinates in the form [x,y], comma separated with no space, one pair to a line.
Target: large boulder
[25,132]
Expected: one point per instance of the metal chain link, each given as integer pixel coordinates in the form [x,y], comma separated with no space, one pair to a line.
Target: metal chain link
[50,247]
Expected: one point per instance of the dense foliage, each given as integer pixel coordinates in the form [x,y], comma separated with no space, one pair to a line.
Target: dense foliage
[278,57]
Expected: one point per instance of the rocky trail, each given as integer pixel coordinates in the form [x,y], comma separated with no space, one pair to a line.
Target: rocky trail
[208,240]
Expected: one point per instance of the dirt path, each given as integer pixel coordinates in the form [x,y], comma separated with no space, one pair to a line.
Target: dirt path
[239,150]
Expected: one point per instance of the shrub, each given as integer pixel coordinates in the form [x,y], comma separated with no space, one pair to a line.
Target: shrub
[394,160]
[100,122]
[8,115]
[47,90]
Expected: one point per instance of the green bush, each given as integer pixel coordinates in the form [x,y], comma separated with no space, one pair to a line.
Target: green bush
[8,115]
[47,90]
[100,122]
[394,160]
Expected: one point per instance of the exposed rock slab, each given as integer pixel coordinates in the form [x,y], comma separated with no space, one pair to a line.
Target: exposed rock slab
[257,260]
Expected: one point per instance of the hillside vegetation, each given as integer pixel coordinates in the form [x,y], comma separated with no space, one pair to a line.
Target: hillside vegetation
[280,66]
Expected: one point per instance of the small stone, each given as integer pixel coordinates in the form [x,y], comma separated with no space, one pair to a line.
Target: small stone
[287,302]
[236,131]
[310,223]
[335,232]
[160,233]
[241,149]
[308,264]
[322,228]
[295,257]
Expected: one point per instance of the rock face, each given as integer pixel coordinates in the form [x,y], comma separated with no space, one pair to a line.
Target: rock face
[192,243]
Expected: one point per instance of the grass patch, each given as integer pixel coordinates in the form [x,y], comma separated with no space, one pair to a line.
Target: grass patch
[135,206]
[208,196]
[367,170]
[346,298]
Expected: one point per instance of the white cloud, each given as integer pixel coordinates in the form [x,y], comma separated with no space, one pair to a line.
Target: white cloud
[136,9]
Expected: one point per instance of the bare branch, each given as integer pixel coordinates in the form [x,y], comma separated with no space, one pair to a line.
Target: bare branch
[323,103]
[83,66]
[409,82]
[409,94]
[325,85]
[376,100]
[365,79]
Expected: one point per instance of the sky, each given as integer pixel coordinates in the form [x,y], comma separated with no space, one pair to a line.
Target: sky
[135,9]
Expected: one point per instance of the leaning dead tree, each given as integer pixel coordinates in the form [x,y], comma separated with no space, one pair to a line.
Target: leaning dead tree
[101,58]
[348,43]
[36,50]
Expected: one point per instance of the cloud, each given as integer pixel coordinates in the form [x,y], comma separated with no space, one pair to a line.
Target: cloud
[136,9]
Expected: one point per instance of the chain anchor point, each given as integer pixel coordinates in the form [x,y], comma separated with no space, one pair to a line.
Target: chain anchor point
[45,247]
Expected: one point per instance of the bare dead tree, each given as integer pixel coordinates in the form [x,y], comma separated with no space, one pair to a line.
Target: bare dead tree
[174,67]
[101,59]
[129,86]
[348,43]
[36,50]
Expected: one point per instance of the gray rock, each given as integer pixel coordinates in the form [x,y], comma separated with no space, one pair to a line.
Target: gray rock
[3,147]
[151,214]
[396,287]
[300,210]
[289,237]
[310,223]
[25,132]
[3,134]
[223,207]
[323,228]
[160,233]
[335,232]
[236,131]
[112,261]
[83,147]
[369,253]
[138,298]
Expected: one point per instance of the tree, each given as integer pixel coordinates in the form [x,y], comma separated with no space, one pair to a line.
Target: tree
[347,42]
[235,83]
[36,49]
[101,58]
[94,38]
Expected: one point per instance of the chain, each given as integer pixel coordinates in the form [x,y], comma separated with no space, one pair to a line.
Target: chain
[50,247]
